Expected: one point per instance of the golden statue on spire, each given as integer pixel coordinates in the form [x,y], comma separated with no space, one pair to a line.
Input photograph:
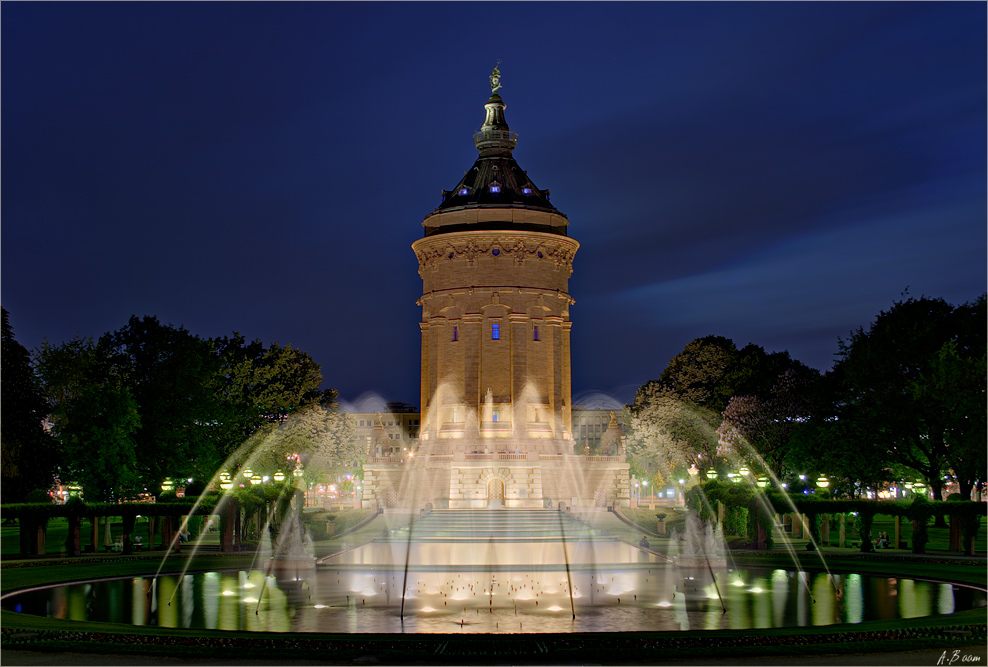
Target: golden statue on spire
[496,79]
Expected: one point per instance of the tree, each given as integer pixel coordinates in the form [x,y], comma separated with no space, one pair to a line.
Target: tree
[98,439]
[695,374]
[894,386]
[175,379]
[828,442]
[760,429]
[954,386]
[676,418]
[265,384]
[673,432]
[28,457]
[321,440]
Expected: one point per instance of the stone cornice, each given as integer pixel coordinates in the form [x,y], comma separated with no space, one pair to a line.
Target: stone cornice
[500,244]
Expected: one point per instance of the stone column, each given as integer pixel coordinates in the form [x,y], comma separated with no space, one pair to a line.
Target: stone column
[520,334]
[128,528]
[73,541]
[898,532]
[567,412]
[428,426]
[956,539]
[554,327]
[94,537]
[843,521]
[472,359]
[825,530]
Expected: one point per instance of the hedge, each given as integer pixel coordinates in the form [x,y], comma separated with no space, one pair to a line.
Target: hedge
[761,505]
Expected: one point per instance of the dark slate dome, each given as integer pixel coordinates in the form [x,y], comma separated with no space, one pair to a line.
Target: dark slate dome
[495,181]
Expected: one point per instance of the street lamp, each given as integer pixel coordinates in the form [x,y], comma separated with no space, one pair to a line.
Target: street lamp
[279,476]
[823,482]
[712,473]
[762,482]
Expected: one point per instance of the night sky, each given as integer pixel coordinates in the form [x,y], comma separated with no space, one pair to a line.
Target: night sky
[776,173]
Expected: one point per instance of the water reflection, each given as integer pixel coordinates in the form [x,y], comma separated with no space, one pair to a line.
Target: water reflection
[352,599]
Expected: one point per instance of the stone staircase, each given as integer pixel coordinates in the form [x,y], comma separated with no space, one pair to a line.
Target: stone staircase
[498,525]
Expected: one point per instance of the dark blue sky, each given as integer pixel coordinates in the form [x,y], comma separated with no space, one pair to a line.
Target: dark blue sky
[772,172]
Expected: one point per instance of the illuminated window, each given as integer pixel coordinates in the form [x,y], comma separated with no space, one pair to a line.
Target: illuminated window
[496,415]
[455,333]
[463,191]
[527,191]
[495,331]
[535,332]
[495,188]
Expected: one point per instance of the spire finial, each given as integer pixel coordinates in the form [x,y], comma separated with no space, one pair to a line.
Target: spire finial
[496,78]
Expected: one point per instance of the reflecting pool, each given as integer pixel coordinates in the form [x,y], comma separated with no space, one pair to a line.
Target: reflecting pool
[359,599]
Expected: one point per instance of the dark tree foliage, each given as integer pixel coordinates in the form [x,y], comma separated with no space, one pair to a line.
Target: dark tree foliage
[680,417]
[196,401]
[28,456]
[264,384]
[912,389]
[175,379]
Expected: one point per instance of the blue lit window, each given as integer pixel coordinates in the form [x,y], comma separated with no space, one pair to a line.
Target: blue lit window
[495,188]
[535,332]
[496,415]
[463,191]
[495,331]
[527,191]
[456,331]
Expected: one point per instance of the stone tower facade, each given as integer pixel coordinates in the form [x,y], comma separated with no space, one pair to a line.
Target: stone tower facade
[496,415]
[495,263]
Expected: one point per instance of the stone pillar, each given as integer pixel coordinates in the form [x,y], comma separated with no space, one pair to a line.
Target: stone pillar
[567,412]
[167,533]
[956,538]
[128,528]
[721,513]
[825,530]
[94,536]
[429,427]
[805,520]
[519,337]
[898,532]
[32,534]
[151,527]
[471,333]
[73,541]
[843,522]
[761,537]
[797,525]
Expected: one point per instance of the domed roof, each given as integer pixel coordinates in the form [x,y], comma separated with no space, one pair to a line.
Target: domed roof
[497,182]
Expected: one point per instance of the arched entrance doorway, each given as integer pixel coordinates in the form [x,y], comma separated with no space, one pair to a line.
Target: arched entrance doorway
[495,492]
